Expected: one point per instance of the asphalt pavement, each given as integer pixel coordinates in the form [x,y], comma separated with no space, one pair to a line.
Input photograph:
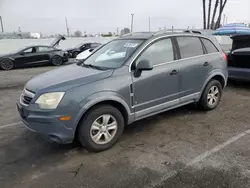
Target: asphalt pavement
[182,148]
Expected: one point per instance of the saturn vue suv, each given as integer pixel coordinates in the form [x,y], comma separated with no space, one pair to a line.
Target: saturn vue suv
[130,78]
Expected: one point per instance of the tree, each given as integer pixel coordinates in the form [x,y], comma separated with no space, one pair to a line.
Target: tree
[222,6]
[77,33]
[125,31]
[212,25]
[204,14]
[209,14]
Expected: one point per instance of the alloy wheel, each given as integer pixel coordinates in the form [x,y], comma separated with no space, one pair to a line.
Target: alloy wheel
[103,129]
[213,95]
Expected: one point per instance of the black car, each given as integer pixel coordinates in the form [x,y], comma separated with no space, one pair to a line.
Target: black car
[239,58]
[73,52]
[35,55]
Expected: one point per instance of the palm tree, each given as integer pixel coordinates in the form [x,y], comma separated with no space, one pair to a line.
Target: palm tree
[222,6]
[204,14]
[214,13]
[209,13]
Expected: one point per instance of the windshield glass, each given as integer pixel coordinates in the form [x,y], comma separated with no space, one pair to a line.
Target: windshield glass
[79,45]
[113,54]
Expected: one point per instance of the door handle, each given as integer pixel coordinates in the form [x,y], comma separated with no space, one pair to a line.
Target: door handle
[174,72]
[205,64]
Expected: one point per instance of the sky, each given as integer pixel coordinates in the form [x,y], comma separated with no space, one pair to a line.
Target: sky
[93,16]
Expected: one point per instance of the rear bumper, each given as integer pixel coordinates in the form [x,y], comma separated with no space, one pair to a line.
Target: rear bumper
[235,73]
[48,126]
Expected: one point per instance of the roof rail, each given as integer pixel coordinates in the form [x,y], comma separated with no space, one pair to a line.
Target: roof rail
[177,30]
[136,33]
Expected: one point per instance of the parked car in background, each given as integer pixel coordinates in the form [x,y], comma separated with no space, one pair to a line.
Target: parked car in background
[34,55]
[239,58]
[125,80]
[73,52]
[83,55]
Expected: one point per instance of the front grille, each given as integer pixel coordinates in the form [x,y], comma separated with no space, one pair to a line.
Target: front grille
[26,97]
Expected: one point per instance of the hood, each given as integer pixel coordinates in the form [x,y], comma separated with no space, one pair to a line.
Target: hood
[70,49]
[57,40]
[66,77]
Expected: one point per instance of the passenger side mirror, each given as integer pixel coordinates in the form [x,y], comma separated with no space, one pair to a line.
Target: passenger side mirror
[22,53]
[144,65]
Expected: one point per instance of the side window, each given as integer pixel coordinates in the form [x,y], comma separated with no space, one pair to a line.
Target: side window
[209,46]
[190,46]
[29,50]
[43,49]
[159,52]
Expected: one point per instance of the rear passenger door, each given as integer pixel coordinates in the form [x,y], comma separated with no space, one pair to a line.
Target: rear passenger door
[195,67]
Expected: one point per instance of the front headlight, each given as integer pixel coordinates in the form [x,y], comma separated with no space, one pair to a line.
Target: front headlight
[50,100]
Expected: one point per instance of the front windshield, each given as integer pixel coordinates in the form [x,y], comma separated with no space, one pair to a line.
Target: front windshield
[113,54]
[79,45]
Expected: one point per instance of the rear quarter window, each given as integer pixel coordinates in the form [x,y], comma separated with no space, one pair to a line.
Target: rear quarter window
[190,46]
[210,47]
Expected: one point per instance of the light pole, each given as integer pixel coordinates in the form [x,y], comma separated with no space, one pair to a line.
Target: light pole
[149,24]
[67,27]
[1,23]
[132,22]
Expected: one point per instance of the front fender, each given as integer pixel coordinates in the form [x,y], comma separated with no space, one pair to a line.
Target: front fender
[103,96]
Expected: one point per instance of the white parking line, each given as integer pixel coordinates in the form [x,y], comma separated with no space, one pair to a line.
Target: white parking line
[203,156]
[9,125]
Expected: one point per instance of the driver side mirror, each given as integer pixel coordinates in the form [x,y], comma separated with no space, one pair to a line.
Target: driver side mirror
[22,53]
[144,65]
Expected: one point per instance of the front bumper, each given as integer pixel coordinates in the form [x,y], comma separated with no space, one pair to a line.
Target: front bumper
[46,125]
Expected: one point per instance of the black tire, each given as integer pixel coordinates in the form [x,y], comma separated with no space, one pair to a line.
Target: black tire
[85,132]
[57,60]
[74,54]
[6,64]
[204,102]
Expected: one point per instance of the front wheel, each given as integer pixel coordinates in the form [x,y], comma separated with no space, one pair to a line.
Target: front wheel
[211,95]
[6,64]
[101,128]
[57,60]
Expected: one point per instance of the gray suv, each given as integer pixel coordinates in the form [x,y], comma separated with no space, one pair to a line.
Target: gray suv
[128,79]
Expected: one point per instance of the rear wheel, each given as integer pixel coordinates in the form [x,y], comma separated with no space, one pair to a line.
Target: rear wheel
[101,128]
[6,64]
[211,95]
[57,60]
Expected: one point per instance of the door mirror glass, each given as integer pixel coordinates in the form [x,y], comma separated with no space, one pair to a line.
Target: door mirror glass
[144,65]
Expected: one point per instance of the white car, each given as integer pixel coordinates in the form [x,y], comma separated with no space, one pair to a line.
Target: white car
[82,56]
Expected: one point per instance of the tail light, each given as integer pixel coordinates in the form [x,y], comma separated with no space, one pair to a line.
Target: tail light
[225,56]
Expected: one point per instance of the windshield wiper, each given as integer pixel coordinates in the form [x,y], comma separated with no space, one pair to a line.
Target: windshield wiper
[93,66]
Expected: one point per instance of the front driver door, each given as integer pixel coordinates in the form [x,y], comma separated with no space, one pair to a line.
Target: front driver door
[157,89]
[27,57]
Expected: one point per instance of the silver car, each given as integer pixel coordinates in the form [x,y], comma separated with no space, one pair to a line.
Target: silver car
[127,79]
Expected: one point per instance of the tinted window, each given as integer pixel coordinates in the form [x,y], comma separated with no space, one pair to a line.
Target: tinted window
[94,45]
[209,46]
[44,49]
[159,52]
[30,50]
[190,46]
